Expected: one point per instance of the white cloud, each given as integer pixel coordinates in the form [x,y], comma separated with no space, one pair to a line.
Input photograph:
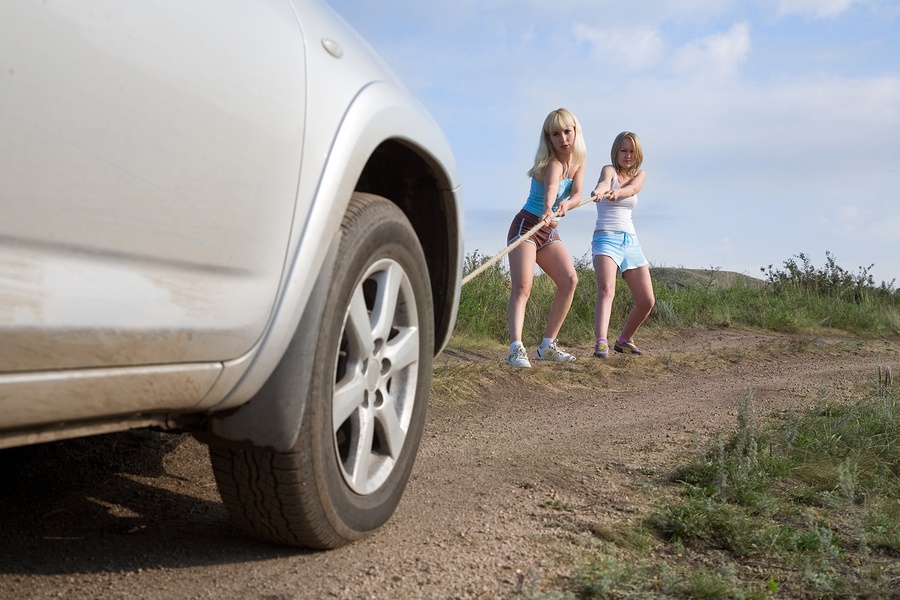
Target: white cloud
[819,9]
[634,49]
[718,54]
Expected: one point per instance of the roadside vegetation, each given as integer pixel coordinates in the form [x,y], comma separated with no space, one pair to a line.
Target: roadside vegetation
[800,504]
[796,298]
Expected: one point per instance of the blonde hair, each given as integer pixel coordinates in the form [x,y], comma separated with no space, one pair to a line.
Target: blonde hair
[557,120]
[638,152]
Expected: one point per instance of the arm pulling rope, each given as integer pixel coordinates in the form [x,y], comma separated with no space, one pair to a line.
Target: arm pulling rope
[516,243]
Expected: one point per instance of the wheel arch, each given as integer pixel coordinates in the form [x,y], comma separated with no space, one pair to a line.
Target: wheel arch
[408,176]
[388,145]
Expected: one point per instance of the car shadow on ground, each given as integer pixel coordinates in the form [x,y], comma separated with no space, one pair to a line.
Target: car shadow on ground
[107,504]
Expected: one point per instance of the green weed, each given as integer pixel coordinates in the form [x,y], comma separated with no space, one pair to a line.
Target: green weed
[795,299]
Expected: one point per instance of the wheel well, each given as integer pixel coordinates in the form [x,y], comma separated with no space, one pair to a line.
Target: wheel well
[420,188]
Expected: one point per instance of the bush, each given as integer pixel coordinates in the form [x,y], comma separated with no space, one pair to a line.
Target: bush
[830,281]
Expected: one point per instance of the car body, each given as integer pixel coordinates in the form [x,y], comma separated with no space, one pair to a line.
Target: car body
[232,219]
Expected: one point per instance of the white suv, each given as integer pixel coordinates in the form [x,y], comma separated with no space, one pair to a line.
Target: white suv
[228,218]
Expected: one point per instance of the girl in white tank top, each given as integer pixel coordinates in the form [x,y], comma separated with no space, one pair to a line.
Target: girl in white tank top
[615,246]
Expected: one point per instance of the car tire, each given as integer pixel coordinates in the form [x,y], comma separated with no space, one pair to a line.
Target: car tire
[365,409]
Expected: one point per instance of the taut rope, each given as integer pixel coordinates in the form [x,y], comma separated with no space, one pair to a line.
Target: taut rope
[514,245]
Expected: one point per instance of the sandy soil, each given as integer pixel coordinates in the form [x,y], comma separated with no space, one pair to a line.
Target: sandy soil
[137,514]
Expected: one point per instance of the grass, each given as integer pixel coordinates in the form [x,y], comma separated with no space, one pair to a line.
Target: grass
[797,298]
[812,496]
[800,505]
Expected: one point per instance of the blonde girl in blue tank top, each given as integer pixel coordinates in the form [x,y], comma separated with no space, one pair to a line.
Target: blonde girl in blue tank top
[556,183]
[615,246]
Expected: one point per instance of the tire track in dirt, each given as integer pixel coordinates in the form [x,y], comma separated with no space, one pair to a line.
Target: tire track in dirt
[509,488]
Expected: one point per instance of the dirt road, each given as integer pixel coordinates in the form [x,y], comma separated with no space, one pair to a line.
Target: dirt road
[137,515]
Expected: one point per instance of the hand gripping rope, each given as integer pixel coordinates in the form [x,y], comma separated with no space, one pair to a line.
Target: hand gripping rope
[520,240]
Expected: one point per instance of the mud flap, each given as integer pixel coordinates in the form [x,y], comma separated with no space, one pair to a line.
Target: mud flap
[271,419]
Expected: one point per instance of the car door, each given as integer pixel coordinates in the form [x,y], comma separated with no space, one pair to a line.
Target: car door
[149,160]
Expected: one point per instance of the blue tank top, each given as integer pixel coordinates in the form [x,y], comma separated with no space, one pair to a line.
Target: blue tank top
[535,202]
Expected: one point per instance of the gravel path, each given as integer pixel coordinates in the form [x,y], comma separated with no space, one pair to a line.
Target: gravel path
[137,514]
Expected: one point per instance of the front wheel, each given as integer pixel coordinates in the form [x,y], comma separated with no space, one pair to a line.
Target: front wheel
[366,405]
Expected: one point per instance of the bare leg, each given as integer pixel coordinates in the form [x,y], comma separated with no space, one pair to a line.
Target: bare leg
[606,269]
[521,275]
[641,287]
[556,262]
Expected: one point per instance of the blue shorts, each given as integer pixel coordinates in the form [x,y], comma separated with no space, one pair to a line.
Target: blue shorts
[622,247]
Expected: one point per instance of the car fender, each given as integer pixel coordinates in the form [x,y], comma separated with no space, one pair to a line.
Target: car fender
[270,417]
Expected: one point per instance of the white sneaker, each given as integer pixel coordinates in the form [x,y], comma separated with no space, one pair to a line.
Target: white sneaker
[518,357]
[551,352]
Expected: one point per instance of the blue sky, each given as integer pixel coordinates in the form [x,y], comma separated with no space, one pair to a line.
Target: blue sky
[770,127]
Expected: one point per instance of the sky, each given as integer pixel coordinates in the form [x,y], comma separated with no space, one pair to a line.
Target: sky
[770,128]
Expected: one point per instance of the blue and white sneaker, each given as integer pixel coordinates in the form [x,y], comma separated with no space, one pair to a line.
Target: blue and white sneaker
[552,352]
[518,357]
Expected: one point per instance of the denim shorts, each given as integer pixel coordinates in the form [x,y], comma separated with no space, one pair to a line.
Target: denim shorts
[622,247]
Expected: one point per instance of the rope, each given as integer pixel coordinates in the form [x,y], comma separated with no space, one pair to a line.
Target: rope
[515,245]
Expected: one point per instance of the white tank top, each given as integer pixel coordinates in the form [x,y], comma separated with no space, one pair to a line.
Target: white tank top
[616,215]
